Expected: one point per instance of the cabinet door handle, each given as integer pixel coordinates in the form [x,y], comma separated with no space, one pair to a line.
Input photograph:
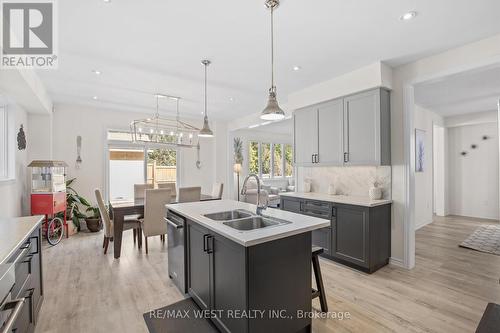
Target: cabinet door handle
[205,242]
[346,157]
[317,158]
[210,246]
[36,242]
[312,158]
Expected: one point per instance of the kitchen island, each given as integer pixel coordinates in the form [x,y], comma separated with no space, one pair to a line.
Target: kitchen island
[253,273]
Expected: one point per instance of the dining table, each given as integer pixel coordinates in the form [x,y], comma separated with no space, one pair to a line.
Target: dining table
[120,208]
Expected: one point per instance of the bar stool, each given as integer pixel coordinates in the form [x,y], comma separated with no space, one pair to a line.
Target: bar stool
[316,251]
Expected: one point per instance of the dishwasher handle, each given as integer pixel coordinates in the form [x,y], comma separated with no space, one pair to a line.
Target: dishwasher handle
[173,224]
[17,304]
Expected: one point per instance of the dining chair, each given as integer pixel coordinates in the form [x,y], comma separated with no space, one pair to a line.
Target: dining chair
[154,212]
[171,186]
[108,223]
[189,194]
[217,190]
[139,190]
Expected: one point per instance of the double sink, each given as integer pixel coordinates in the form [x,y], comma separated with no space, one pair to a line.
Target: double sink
[243,220]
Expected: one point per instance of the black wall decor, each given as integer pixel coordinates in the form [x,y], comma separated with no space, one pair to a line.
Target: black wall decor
[473,146]
[21,139]
[485,137]
[463,153]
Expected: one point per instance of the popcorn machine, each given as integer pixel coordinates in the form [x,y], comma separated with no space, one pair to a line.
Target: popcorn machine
[48,197]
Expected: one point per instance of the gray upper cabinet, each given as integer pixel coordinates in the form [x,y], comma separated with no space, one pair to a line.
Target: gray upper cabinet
[330,128]
[354,130]
[306,139]
[364,128]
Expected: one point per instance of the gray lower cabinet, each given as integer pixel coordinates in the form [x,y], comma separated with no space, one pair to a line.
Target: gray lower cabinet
[29,282]
[358,236]
[232,280]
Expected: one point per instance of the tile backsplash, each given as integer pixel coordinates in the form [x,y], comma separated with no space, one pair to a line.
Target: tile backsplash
[355,180]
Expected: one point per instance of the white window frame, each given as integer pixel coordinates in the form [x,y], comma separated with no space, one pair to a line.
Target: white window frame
[7,146]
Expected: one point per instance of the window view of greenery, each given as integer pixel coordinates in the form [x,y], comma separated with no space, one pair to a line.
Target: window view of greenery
[288,160]
[278,161]
[253,158]
[266,160]
[163,157]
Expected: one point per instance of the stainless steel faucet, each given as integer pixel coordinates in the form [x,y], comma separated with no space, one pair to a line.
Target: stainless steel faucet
[260,207]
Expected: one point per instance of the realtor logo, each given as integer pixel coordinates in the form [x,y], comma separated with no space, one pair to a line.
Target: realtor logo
[28,34]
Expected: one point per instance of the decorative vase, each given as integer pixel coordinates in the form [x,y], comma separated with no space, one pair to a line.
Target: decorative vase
[375,193]
[307,187]
[332,190]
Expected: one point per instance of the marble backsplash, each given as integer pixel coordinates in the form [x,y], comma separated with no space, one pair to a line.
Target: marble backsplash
[355,180]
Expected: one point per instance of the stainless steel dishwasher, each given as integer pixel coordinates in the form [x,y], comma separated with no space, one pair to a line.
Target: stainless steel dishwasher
[176,250]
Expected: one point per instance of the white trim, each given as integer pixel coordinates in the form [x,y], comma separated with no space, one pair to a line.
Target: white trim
[396,262]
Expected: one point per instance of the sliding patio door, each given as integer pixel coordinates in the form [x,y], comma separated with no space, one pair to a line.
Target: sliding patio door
[126,168]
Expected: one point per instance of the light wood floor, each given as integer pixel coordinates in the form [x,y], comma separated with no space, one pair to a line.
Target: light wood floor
[446,292]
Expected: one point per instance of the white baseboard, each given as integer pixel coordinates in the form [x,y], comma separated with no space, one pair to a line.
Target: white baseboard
[396,262]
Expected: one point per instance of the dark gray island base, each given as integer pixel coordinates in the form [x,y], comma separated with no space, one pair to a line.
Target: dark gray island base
[358,237]
[261,288]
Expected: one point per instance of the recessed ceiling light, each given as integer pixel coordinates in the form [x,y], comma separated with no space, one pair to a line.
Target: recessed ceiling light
[231,99]
[254,126]
[107,1]
[94,98]
[297,68]
[96,72]
[408,16]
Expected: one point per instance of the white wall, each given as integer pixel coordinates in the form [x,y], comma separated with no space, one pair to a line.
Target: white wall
[14,194]
[440,160]
[473,178]
[40,138]
[92,124]
[425,120]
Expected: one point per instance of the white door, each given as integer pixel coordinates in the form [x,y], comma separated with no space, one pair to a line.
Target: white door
[362,128]
[306,135]
[331,123]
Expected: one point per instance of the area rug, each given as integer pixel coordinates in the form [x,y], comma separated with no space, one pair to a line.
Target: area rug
[179,317]
[486,238]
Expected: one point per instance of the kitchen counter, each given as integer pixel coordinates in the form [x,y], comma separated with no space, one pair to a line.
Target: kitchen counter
[196,210]
[342,199]
[13,231]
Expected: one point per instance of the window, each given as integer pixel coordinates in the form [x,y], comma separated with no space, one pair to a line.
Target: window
[278,160]
[288,161]
[270,160]
[253,158]
[132,163]
[265,160]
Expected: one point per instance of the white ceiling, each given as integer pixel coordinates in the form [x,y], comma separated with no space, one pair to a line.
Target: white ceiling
[143,47]
[467,92]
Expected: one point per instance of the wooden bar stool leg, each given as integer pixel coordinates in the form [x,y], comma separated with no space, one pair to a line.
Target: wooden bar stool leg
[319,283]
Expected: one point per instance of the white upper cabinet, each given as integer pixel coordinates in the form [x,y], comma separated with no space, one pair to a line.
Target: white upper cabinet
[305,136]
[354,130]
[330,128]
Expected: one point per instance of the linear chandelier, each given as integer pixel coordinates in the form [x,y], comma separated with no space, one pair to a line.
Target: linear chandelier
[173,132]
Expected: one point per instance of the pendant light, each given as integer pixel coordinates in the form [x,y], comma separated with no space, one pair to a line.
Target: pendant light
[272,110]
[206,132]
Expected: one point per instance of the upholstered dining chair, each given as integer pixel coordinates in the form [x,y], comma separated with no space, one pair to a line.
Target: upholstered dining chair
[189,194]
[139,190]
[154,212]
[217,190]
[171,186]
[108,223]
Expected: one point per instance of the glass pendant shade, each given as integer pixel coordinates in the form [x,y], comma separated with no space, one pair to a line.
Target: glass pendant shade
[272,110]
[206,132]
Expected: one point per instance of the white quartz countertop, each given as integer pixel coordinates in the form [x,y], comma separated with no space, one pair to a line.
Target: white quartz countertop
[342,199]
[13,232]
[299,223]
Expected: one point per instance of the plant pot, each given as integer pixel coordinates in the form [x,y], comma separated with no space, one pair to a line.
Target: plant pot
[94,225]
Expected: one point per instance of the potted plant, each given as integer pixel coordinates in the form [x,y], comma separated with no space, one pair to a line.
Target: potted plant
[94,219]
[74,204]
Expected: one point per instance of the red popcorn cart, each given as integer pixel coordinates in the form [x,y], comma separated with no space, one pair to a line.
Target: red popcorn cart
[48,197]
